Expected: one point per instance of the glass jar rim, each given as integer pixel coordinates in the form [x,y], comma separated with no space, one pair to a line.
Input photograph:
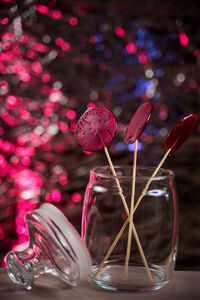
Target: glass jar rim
[97,171]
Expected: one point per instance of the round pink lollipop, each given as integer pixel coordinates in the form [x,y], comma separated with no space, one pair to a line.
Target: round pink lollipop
[138,123]
[180,133]
[95,124]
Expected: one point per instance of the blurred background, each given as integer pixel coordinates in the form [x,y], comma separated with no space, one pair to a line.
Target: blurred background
[57,58]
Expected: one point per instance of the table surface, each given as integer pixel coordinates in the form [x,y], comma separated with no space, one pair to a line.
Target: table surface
[185,285]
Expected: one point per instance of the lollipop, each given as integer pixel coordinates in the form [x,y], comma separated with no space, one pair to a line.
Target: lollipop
[175,139]
[95,129]
[180,133]
[95,126]
[132,133]
[138,123]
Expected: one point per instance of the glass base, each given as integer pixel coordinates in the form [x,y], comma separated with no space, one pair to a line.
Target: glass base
[111,277]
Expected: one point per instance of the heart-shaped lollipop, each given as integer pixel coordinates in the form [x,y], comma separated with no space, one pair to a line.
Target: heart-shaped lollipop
[138,123]
[96,125]
[180,133]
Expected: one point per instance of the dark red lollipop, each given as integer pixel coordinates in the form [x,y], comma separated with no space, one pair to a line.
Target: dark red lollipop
[138,123]
[180,133]
[95,122]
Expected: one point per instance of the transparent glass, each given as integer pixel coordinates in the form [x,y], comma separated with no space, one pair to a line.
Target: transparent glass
[155,222]
[55,248]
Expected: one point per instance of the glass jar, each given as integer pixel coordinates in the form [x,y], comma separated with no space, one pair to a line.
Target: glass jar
[154,226]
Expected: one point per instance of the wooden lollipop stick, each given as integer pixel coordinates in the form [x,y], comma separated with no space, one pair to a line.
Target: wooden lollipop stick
[149,181]
[128,249]
[125,224]
[115,175]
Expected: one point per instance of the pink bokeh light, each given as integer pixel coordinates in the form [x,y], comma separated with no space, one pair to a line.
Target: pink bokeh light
[76,197]
[73,21]
[184,40]
[4,21]
[42,9]
[119,31]
[143,59]
[131,48]
[26,179]
[71,114]
[56,195]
